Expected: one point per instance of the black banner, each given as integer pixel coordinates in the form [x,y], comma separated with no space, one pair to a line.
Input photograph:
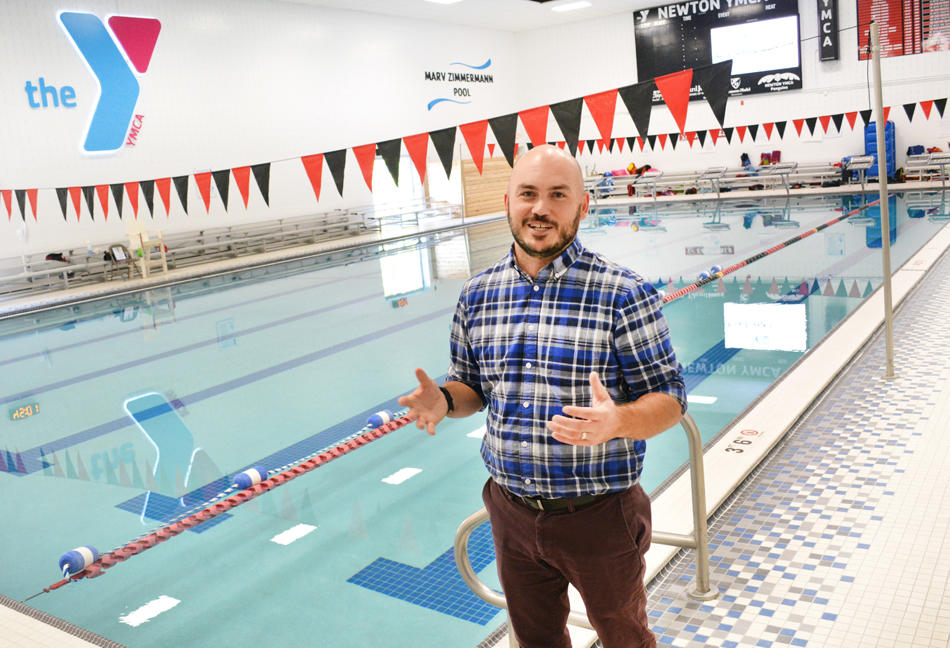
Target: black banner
[828,30]
[761,38]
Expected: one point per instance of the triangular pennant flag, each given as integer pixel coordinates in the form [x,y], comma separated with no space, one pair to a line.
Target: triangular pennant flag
[21,201]
[504,129]
[262,178]
[137,37]
[132,192]
[390,151]
[242,178]
[117,196]
[164,186]
[651,140]
[365,157]
[103,192]
[336,162]
[702,138]
[222,180]
[940,104]
[767,127]
[638,98]
[714,82]
[866,116]
[561,144]
[8,198]
[590,145]
[619,142]
[181,188]
[690,137]
[838,119]
[148,192]
[203,180]
[825,120]
[610,145]
[602,107]
[909,108]
[741,131]
[675,90]
[31,196]
[887,111]
[474,135]
[780,127]
[535,122]
[62,193]
[852,116]
[491,149]
[811,122]
[798,125]
[715,133]
[600,146]
[753,131]
[727,133]
[313,165]
[927,106]
[630,143]
[662,138]
[418,148]
[444,142]
[88,193]
[674,138]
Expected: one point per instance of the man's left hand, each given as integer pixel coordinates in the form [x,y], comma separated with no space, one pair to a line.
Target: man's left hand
[592,425]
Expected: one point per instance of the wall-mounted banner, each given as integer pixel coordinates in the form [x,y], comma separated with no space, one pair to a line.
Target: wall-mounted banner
[101,49]
[761,38]
[828,30]
[460,81]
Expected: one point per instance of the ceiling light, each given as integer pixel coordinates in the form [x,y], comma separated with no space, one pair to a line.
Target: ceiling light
[571,6]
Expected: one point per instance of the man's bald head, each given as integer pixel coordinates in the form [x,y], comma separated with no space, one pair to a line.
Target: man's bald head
[545,157]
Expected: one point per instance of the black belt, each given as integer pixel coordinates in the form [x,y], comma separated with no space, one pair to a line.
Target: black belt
[557,504]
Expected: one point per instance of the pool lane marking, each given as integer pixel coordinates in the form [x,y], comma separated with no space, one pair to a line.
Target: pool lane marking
[292,534]
[401,475]
[149,611]
[700,400]
[477,433]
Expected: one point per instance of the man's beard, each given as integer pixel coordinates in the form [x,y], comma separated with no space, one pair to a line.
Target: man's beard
[552,250]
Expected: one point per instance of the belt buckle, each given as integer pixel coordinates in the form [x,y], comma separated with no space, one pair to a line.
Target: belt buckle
[540,504]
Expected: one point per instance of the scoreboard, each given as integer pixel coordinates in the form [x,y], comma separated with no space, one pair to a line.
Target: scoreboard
[904,26]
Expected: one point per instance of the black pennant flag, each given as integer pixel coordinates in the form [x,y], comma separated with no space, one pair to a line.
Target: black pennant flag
[909,108]
[674,138]
[444,141]
[638,98]
[504,129]
[567,114]
[336,160]
[181,188]
[838,119]
[117,191]
[148,192]
[88,193]
[610,147]
[753,130]
[780,127]
[591,144]
[866,116]
[390,151]
[630,142]
[61,193]
[652,140]
[728,132]
[702,138]
[222,180]
[811,122]
[262,177]
[21,201]
[714,81]
[940,104]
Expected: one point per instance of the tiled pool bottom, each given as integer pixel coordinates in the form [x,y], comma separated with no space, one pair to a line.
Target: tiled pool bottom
[837,539]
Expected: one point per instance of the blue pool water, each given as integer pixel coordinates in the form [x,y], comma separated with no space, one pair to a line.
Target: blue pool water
[124,413]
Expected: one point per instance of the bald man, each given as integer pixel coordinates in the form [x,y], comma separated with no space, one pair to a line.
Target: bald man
[570,354]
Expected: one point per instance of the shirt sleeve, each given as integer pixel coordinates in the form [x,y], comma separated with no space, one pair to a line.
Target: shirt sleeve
[463,365]
[643,346]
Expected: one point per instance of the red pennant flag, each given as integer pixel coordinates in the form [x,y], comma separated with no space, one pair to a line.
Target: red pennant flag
[535,122]
[313,165]
[768,129]
[619,143]
[491,150]
[662,138]
[203,180]
[418,148]
[675,90]
[132,192]
[852,116]
[600,146]
[798,125]
[8,201]
[474,134]
[825,120]
[365,156]
[741,131]
[242,178]
[602,107]
[561,144]
[887,111]
[926,106]
[103,192]
[514,152]
[690,136]
[640,142]
[75,193]
[164,186]
[715,133]
[31,194]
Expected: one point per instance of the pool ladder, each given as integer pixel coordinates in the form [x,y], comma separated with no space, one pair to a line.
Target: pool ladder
[699,590]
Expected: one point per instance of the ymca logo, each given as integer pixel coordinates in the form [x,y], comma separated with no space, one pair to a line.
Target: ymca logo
[115,73]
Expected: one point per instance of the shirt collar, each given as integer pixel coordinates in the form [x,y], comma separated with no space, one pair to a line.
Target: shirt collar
[555,268]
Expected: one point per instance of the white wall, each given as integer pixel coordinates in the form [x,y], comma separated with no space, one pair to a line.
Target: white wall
[237,82]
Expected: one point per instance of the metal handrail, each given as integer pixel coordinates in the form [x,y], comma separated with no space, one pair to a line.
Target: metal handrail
[702,591]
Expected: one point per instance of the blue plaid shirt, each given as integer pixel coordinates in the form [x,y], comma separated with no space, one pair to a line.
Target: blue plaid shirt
[527,347]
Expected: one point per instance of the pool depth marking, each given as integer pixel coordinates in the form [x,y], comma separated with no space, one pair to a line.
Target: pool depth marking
[149,611]
[293,533]
[401,475]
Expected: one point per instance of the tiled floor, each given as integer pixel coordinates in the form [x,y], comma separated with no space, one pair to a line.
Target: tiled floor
[840,538]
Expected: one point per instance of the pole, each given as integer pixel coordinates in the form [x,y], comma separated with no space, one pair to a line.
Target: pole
[885,217]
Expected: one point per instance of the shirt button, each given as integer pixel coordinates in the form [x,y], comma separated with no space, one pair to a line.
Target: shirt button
[527,365]
[524,444]
[526,404]
[537,288]
[527,481]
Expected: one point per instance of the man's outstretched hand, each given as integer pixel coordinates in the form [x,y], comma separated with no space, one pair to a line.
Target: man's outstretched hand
[427,406]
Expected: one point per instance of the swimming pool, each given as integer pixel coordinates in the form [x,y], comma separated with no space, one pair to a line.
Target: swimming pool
[264,366]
